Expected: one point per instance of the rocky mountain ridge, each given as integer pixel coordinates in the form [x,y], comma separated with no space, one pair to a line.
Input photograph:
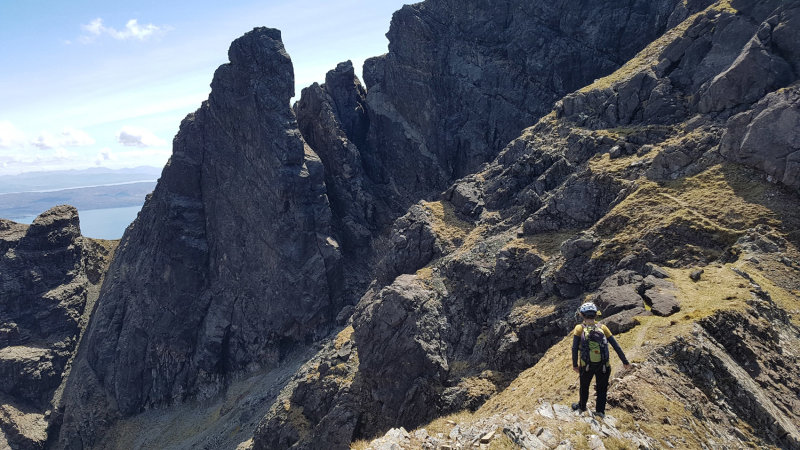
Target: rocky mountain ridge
[49,277]
[625,177]
[231,298]
[270,223]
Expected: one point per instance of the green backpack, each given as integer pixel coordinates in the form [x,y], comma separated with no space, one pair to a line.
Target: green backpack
[594,345]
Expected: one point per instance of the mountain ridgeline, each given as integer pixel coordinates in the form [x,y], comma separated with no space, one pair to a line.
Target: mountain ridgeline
[415,245]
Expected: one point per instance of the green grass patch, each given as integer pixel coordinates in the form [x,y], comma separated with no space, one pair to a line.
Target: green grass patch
[708,211]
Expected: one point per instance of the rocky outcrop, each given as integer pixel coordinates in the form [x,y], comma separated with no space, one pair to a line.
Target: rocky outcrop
[477,87]
[230,262]
[740,62]
[333,120]
[331,412]
[732,369]
[49,276]
[627,294]
[766,136]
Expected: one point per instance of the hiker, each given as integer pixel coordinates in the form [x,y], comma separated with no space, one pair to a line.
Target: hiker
[591,339]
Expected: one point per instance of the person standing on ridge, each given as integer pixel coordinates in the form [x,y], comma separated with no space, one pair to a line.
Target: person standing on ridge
[591,339]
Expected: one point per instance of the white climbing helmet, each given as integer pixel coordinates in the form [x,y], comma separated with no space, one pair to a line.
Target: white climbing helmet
[588,308]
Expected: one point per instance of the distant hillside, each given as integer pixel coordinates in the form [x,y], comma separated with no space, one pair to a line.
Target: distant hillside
[65,179]
[18,205]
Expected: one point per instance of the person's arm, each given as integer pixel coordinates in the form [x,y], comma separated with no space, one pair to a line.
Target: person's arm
[618,349]
[576,343]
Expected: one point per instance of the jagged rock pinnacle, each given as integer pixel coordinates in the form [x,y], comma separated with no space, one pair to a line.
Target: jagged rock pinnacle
[230,260]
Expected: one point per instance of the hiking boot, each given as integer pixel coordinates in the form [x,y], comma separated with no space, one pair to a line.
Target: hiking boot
[600,415]
[577,407]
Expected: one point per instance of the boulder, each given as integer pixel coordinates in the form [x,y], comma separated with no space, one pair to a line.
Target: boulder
[625,320]
[619,292]
[660,294]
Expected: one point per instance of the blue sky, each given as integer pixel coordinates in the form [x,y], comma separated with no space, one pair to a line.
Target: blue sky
[98,83]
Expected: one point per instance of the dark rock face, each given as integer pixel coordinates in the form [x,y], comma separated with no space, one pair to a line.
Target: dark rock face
[529,235]
[459,82]
[463,79]
[34,263]
[581,202]
[766,136]
[729,59]
[333,120]
[230,260]
[401,328]
[331,410]
[47,277]
[414,243]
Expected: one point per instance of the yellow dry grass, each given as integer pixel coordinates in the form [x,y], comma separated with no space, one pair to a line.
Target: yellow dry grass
[531,311]
[719,203]
[502,442]
[546,245]
[446,423]
[343,337]
[361,444]
[446,224]
[603,163]
[786,300]
[644,59]
[425,274]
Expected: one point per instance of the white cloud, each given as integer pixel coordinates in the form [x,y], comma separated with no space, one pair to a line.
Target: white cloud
[60,154]
[69,137]
[20,161]
[105,155]
[120,158]
[132,30]
[10,136]
[94,27]
[138,137]
[45,141]
[26,161]
[72,137]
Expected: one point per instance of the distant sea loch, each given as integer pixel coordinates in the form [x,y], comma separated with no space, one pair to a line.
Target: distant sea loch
[105,208]
[108,223]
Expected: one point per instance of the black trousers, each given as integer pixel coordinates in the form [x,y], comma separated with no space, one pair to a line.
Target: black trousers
[601,385]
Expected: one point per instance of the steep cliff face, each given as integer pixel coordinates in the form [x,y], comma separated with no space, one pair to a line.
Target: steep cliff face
[333,119]
[628,176]
[459,82]
[229,264]
[463,79]
[49,277]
